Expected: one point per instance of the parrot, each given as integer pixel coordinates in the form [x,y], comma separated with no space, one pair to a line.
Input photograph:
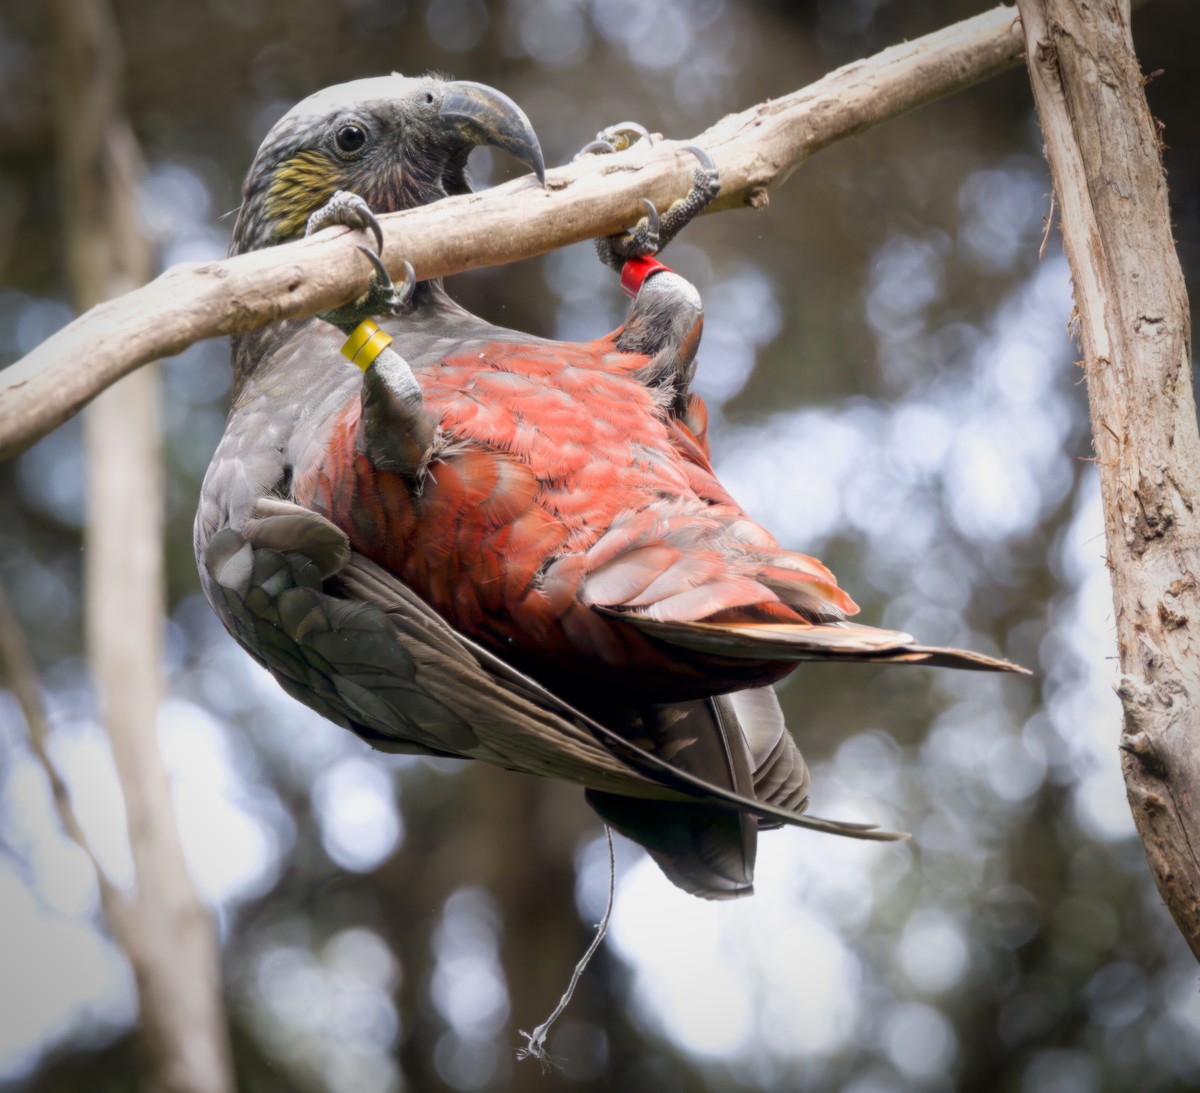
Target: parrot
[455,539]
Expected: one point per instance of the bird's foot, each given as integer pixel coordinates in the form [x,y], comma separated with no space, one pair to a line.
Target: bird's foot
[346,210]
[383,299]
[616,138]
[654,230]
[706,184]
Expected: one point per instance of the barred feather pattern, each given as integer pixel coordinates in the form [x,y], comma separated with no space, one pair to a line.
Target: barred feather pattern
[564,484]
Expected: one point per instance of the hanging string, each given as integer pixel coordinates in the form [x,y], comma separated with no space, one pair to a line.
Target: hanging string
[535,1041]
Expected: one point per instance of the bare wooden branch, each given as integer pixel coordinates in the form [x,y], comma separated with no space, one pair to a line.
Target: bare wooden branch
[1133,322]
[164,928]
[754,150]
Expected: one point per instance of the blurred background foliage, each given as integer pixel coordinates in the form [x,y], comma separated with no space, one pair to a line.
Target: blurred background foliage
[893,389]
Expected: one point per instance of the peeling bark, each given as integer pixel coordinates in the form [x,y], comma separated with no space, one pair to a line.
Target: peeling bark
[1133,325]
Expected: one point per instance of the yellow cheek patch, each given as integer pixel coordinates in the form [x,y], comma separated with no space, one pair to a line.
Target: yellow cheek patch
[365,343]
[299,187]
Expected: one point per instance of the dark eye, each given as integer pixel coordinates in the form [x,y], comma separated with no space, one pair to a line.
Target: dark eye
[350,138]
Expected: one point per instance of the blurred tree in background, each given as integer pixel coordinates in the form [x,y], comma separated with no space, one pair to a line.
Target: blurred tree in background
[893,390]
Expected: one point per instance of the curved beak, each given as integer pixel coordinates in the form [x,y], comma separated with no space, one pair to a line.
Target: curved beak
[482,115]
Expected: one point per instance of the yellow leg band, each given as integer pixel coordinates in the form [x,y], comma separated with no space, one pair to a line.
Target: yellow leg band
[365,343]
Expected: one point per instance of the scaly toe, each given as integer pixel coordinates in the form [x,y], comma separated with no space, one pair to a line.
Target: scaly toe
[382,298]
[649,233]
[641,239]
[707,179]
[636,242]
[348,210]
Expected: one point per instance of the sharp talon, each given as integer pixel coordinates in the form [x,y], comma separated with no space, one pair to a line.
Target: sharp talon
[616,138]
[652,223]
[385,278]
[706,161]
[377,231]
[347,210]
[405,293]
[593,147]
[639,132]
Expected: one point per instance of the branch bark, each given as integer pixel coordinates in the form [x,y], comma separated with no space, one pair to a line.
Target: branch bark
[1133,322]
[754,150]
[164,929]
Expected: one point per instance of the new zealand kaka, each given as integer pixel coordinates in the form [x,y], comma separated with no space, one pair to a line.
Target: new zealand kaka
[474,542]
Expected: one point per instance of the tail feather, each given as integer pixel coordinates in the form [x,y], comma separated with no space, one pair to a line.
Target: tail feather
[740,748]
[781,776]
[705,850]
[773,641]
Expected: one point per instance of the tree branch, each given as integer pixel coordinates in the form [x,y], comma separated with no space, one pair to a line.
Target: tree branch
[1133,321]
[754,150]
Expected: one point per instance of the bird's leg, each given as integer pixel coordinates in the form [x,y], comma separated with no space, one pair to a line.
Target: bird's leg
[667,317]
[664,324]
[395,432]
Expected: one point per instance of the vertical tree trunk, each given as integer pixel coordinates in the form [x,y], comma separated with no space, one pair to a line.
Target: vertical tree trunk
[1133,323]
[167,933]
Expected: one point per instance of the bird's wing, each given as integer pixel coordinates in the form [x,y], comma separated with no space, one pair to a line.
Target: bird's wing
[343,636]
[361,648]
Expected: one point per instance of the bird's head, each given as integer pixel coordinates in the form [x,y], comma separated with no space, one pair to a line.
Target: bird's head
[394,141]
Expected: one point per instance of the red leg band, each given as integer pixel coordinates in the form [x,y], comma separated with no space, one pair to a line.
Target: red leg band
[636,270]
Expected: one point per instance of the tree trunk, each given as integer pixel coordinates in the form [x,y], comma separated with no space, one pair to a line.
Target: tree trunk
[166,931]
[1132,320]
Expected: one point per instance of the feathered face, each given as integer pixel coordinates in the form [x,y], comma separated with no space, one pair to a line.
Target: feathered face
[396,142]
